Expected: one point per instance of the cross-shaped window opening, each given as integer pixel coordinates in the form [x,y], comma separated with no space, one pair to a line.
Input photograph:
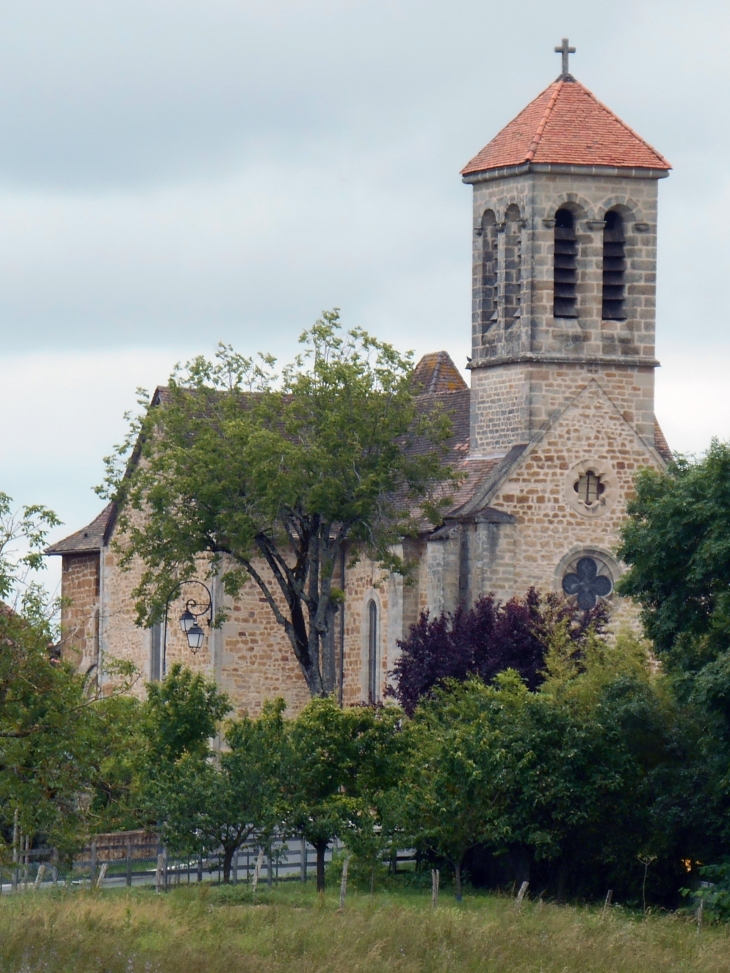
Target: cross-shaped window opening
[589,488]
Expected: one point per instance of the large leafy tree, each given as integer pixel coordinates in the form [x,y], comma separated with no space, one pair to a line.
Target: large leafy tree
[207,802]
[487,639]
[568,773]
[344,767]
[270,477]
[676,542]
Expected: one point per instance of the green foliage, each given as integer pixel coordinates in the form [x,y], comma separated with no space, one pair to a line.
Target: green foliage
[55,736]
[23,536]
[569,773]
[181,714]
[346,767]
[677,544]
[221,800]
[237,464]
[715,890]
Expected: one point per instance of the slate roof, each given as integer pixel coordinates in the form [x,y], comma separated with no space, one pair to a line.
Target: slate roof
[88,539]
[566,124]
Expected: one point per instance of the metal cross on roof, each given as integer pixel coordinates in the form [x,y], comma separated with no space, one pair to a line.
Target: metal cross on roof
[566,50]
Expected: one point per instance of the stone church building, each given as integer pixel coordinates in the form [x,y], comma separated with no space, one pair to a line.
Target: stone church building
[558,419]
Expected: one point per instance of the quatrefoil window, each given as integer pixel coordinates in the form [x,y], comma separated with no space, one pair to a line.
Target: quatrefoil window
[586,584]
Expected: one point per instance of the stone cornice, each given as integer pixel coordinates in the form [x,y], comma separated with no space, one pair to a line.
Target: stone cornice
[614,361]
[567,170]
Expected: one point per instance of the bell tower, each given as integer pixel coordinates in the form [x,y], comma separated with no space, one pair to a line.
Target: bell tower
[564,266]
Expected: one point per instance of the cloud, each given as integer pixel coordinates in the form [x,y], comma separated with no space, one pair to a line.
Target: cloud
[172,174]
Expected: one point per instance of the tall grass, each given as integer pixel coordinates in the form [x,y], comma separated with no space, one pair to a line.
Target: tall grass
[212,930]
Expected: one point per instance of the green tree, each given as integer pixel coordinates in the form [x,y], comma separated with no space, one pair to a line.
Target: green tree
[23,534]
[56,733]
[236,467]
[569,773]
[676,542]
[342,765]
[225,799]
[51,727]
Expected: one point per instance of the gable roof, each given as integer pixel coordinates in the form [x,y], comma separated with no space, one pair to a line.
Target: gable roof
[567,125]
[487,488]
[442,385]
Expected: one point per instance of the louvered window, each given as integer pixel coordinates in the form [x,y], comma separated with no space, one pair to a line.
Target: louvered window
[614,268]
[512,267]
[488,307]
[565,272]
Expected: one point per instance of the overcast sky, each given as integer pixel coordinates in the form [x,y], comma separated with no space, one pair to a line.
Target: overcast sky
[177,173]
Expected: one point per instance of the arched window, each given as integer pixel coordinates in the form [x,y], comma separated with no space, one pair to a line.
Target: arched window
[488,302]
[565,271]
[373,686]
[614,268]
[512,266]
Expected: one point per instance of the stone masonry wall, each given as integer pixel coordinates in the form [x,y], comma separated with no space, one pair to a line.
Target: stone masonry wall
[549,530]
[249,656]
[513,403]
[523,326]
[80,616]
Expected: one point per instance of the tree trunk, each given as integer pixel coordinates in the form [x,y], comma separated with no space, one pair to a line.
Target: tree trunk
[228,854]
[457,879]
[321,848]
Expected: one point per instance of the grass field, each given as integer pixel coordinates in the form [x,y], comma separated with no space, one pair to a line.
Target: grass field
[215,929]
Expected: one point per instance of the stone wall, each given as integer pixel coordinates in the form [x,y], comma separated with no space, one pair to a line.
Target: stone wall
[514,233]
[550,526]
[80,615]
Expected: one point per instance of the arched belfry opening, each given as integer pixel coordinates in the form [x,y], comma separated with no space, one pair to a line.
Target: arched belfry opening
[614,268]
[488,310]
[565,268]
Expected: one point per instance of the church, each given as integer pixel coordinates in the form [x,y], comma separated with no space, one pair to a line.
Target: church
[557,422]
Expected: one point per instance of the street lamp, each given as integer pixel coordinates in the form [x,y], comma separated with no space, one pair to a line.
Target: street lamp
[189,619]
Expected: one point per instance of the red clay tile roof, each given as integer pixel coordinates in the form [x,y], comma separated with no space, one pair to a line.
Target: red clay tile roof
[567,125]
[436,372]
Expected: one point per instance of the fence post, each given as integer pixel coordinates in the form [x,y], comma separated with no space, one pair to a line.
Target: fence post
[343,883]
[607,903]
[102,874]
[158,872]
[521,895]
[54,866]
[200,868]
[435,877]
[269,869]
[39,875]
[303,861]
[14,880]
[235,867]
[92,868]
[26,861]
[129,861]
[257,871]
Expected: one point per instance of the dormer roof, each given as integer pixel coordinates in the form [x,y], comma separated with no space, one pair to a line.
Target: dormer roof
[566,125]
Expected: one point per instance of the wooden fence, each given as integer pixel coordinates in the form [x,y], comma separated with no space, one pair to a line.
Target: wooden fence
[138,858]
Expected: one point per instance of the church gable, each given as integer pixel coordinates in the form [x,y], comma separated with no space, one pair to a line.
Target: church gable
[567,493]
